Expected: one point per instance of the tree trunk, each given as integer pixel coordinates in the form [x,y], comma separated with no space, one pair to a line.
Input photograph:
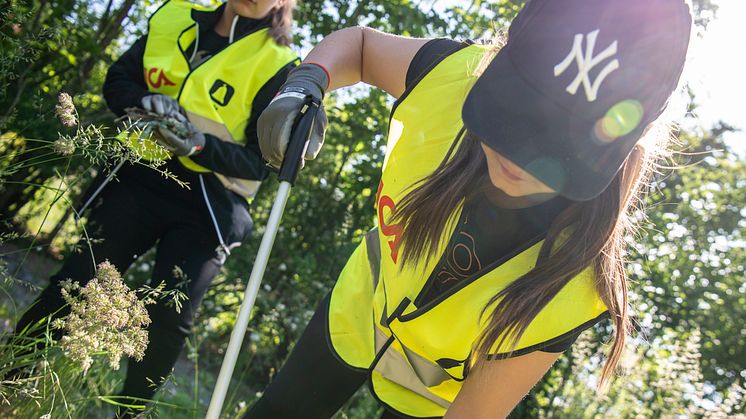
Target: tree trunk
[108,31]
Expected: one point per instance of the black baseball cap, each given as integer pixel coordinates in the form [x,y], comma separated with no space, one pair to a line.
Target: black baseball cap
[570,94]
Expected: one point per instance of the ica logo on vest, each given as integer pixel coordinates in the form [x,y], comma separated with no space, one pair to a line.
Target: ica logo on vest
[157,78]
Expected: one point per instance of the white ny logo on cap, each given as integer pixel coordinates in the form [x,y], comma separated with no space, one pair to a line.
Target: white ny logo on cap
[586,61]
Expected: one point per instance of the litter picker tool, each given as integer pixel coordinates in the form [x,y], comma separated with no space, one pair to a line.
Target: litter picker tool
[288,172]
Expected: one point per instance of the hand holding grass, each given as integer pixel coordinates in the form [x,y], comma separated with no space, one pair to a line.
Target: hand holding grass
[176,135]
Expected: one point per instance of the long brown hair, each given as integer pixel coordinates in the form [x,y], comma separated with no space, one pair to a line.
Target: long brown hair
[586,234]
[281,26]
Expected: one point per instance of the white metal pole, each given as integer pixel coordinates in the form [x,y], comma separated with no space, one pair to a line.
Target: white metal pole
[252,288]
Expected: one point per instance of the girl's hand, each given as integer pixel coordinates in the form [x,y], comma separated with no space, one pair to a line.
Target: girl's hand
[163,105]
[182,145]
[276,122]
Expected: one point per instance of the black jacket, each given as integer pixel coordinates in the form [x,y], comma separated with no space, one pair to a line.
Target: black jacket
[125,87]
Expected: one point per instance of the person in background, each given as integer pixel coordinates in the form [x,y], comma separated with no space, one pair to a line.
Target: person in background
[214,69]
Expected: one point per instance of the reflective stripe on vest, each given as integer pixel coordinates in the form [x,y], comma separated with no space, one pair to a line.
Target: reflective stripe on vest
[422,371]
[418,354]
[217,94]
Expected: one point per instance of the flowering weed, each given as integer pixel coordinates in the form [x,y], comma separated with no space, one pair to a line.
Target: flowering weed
[65,110]
[105,317]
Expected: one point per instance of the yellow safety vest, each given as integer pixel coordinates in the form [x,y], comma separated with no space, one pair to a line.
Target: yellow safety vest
[218,93]
[417,355]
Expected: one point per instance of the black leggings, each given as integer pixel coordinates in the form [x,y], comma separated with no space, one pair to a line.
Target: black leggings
[127,219]
[313,383]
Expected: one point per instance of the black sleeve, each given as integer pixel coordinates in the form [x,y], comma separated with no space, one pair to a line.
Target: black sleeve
[565,341]
[563,344]
[243,161]
[429,55]
[125,81]
[555,345]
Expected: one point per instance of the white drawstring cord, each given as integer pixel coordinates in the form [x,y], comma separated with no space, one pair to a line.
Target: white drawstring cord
[196,46]
[226,248]
[233,29]
[223,246]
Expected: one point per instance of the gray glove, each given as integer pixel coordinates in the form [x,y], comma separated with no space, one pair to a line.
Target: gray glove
[276,122]
[182,145]
[163,105]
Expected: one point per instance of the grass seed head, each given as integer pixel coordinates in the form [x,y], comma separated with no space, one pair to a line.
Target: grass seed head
[105,316]
[64,145]
[65,110]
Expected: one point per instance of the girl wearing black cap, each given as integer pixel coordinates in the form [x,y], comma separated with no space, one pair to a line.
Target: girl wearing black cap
[506,192]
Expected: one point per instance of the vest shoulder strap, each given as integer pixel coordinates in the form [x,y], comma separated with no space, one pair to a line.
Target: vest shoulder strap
[180,8]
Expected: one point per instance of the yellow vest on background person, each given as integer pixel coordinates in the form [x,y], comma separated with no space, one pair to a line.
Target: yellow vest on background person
[217,94]
[417,355]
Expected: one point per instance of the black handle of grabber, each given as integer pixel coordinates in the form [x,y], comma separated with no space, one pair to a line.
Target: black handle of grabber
[299,136]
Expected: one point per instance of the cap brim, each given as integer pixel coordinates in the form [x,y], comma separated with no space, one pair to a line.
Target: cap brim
[513,118]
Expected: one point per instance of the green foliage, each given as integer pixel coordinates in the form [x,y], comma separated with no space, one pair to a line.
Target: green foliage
[691,267]
[40,376]
[411,18]
[687,295]
[660,378]
[49,47]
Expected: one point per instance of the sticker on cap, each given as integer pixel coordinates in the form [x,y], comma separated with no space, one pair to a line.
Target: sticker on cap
[621,119]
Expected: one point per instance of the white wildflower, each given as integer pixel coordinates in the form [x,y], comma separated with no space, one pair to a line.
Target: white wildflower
[106,316]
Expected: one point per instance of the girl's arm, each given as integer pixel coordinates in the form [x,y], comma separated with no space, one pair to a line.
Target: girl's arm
[362,54]
[494,388]
[341,59]
[125,80]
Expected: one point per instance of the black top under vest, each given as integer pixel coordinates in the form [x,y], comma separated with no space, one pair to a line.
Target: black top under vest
[125,86]
[486,233]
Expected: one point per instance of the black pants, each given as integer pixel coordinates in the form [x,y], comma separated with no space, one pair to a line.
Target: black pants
[131,216]
[313,383]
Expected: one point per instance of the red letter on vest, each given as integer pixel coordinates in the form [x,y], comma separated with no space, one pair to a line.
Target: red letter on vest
[395,230]
[160,80]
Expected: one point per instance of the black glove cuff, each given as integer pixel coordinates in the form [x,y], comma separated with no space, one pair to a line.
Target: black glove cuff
[310,76]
